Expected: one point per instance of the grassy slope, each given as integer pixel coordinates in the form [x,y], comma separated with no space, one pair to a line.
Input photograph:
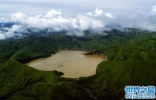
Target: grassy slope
[142,50]
[112,76]
[20,82]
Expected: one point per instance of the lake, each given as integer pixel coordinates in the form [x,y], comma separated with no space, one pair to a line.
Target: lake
[72,63]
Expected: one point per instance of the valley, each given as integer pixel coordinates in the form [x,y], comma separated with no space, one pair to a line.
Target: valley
[56,72]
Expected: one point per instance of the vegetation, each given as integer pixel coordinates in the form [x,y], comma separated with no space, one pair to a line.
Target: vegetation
[20,82]
[131,61]
[112,77]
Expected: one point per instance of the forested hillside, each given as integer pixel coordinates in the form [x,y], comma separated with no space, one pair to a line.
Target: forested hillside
[131,61]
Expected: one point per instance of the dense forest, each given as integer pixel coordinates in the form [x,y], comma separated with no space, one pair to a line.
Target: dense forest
[131,57]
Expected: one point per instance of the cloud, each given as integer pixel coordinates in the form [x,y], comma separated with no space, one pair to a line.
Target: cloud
[18,17]
[53,13]
[15,30]
[2,36]
[154,8]
[52,21]
[109,15]
[55,20]
[98,12]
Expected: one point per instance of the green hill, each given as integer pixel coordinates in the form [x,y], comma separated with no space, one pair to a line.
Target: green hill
[112,77]
[20,82]
[131,61]
[138,50]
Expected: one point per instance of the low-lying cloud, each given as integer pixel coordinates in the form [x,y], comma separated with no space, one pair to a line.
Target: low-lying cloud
[54,20]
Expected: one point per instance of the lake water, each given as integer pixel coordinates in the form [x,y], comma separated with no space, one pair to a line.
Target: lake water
[72,63]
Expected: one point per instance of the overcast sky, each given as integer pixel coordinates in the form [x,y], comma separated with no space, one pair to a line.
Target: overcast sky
[75,15]
[72,7]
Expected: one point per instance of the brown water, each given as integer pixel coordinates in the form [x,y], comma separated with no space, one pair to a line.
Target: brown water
[72,63]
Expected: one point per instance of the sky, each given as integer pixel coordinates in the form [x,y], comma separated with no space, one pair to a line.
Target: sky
[75,15]
[72,7]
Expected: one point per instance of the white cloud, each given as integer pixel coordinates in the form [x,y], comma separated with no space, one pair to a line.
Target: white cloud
[18,17]
[98,12]
[55,20]
[2,36]
[53,13]
[154,8]
[109,15]
[15,30]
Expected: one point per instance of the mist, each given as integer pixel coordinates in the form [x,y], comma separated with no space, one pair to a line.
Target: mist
[56,21]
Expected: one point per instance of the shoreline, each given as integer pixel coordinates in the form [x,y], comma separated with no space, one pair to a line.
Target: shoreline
[85,52]
[72,63]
